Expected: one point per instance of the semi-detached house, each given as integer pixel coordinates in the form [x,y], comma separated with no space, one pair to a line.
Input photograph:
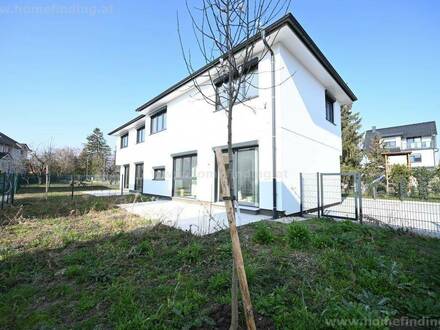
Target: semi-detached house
[168,149]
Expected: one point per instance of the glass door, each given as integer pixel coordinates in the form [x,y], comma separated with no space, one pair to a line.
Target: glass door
[185,176]
[126,177]
[139,177]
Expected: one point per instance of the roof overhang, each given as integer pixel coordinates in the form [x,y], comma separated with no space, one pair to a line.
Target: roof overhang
[132,123]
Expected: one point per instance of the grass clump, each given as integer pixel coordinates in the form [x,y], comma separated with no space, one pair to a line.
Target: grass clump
[263,234]
[298,235]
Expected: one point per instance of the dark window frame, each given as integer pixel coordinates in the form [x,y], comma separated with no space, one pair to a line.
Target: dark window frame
[124,138]
[330,108]
[157,170]
[181,176]
[136,183]
[250,70]
[138,130]
[413,158]
[126,178]
[154,122]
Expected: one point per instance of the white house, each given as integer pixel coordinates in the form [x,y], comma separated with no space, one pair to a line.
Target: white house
[167,150]
[12,155]
[414,145]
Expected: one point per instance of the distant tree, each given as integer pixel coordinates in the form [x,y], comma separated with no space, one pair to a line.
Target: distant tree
[375,165]
[399,179]
[66,161]
[423,177]
[351,139]
[41,159]
[95,154]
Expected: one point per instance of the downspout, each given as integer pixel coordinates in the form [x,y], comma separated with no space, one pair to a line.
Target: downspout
[274,136]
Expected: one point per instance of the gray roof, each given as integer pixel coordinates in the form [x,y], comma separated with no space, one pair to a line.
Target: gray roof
[405,131]
[4,139]
[3,154]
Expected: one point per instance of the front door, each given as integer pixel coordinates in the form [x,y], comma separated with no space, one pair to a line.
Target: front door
[139,177]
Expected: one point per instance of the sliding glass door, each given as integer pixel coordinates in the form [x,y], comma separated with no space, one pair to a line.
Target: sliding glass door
[139,177]
[126,178]
[245,176]
[185,176]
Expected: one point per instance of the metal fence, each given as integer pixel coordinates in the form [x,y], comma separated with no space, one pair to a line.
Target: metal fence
[344,195]
[8,188]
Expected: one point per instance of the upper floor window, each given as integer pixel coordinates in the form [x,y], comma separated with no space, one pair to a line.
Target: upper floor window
[159,122]
[248,88]
[414,143]
[124,141]
[416,158]
[140,134]
[389,144]
[329,108]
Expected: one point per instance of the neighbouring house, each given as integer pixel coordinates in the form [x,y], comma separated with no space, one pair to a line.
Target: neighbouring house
[168,149]
[413,145]
[12,155]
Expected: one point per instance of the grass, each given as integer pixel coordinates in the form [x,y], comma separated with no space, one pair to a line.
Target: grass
[89,265]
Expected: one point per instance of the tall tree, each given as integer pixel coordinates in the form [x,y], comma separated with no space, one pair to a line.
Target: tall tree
[96,153]
[375,165]
[351,139]
[220,26]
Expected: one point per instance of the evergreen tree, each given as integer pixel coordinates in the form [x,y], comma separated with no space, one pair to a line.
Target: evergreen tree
[96,152]
[351,139]
[375,166]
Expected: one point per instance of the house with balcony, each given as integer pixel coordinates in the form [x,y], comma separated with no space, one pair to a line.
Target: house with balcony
[168,148]
[413,145]
[12,155]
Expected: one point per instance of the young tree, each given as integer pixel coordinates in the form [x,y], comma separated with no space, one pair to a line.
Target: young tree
[351,139]
[225,31]
[95,153]
[375,166]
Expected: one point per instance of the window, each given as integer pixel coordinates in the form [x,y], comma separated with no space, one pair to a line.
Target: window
[416,158]
[248,89]
[389,144]
[329,110]
[159,122]
[140,134]
[185,176]
[159,174]
[414,143]
[139,177]
[126,176]
[124,141]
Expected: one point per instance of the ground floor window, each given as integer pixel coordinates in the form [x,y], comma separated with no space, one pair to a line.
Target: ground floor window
[159,174]
[245,176]
[126,176]
[139,177]
[185,176]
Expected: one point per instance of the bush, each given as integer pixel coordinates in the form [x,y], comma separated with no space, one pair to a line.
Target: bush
[423,177]
[263,234]
[191,253]
[298,235]
[399,178]
[435,185]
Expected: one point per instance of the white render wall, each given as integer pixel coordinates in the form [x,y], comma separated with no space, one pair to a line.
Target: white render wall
[306,141]
[428,158]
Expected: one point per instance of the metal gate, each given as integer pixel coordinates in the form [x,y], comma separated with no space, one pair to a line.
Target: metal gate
[8,187]
[336,195]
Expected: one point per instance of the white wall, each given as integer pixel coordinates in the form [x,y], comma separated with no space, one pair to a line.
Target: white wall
[428,158]
[307,141]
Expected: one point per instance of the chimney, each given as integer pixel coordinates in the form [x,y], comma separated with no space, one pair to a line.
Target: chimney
[373,129]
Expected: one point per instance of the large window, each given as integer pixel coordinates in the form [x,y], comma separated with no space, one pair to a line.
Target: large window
[416,158]
[245,176]
[159,122]
[124,141]
[140,134]
[248,89]
[139,177]
[389,144]
[329,108]
[159,174]
[126,176]
[185,176]
[414,143]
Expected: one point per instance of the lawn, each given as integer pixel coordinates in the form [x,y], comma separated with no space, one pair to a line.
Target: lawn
[87,264]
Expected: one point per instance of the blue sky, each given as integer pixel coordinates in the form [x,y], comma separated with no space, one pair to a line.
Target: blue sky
[69,66]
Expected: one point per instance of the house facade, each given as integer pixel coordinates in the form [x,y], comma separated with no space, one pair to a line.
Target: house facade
[413,145]
[168,149]
[12,155]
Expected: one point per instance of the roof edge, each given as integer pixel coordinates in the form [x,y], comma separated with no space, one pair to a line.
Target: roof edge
[126,124]
[296,27]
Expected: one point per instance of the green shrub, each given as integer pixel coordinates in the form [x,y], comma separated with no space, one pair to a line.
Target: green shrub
[191,253]
[263,234]
[298,235]
[435,185]
[423,177]
[399,178]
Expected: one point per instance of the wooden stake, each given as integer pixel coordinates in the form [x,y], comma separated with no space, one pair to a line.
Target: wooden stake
[47,181]
[236,249]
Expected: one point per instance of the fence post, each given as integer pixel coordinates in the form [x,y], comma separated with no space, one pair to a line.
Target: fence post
[73,185]
[3,190]
[318,194]
[356,196]
[13,189]
[301,196]
[361,213]
[122,185]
